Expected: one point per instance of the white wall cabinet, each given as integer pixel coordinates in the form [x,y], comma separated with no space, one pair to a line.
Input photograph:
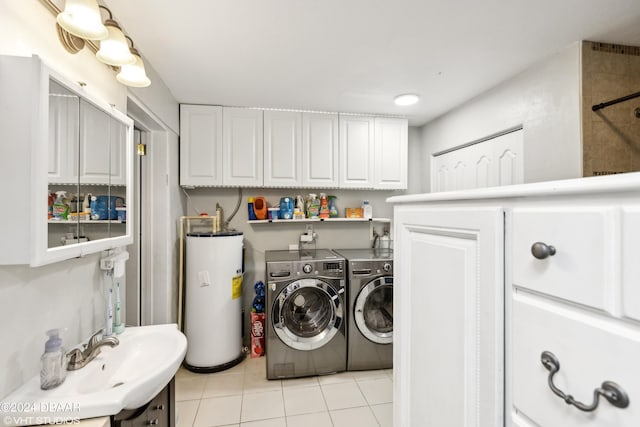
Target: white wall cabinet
[200,145]
[568,252]
[64,112]
[390,159]
[242,150]
[40,137]
[356,151]
[282,149]
[227,146]
[320,150]
[95,147]
[448,346]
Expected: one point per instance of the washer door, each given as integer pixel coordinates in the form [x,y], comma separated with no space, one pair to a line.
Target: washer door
[307,314]
[373,310]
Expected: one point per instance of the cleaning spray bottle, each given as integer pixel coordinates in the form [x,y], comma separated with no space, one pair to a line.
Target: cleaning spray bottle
[60,208]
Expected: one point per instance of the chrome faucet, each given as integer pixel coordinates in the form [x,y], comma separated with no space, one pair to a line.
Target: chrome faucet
[78,358]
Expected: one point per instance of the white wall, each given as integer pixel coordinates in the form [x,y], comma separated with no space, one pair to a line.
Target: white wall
[544,100]
[68,294]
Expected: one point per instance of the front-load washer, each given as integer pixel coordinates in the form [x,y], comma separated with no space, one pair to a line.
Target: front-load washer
[370,289]
[305,313]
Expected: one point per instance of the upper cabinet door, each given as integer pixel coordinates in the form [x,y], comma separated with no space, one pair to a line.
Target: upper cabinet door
[64,110]
[320,150]
[200,145]
[118,162]
[242,146]
[390,153]
[95,144]
[356,151]
[282,148]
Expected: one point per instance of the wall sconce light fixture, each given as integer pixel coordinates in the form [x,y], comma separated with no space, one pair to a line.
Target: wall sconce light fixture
[133,74]
[81,22]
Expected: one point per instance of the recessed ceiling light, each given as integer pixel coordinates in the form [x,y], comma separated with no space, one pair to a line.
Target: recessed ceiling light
[406,99]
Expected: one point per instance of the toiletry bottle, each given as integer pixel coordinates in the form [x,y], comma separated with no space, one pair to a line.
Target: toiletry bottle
[367,209]
[108,321]
[251,212]
[86,204]
[118,326]
[53,363]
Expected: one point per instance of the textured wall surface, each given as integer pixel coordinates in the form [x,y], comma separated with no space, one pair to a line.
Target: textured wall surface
[610,136]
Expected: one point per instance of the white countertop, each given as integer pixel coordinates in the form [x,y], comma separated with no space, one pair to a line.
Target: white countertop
[600,184]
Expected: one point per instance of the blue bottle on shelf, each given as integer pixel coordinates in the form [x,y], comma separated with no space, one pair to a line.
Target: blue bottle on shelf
[251,212]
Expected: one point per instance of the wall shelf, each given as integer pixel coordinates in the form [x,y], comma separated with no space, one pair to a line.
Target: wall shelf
[308,220]
[85,221]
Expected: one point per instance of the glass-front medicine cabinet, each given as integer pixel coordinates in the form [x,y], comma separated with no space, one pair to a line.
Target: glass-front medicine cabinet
[67,158]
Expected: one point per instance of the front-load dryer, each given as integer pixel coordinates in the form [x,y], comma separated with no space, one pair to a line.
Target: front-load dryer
[305,313]
[370,289]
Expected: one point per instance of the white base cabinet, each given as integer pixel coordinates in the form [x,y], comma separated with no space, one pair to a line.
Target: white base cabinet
[448,345]
[564,256]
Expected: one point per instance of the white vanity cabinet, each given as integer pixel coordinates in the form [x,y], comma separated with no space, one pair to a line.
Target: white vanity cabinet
[565,258]
[448,300]
[51,145]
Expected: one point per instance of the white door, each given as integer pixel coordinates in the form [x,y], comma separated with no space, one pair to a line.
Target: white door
[390,153]
[448,340]
[200,145]
[356,151]
[282,149]
[242,135]
[495,162]
[320,150]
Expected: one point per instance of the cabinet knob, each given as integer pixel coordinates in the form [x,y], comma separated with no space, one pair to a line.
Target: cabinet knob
[153,422]
[160,408]
[542,250]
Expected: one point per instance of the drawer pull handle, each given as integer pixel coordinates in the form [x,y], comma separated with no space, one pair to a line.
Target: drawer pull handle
[609,390]
[542,250]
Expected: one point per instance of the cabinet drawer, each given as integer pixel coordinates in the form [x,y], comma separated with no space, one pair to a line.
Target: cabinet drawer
[582,267]
[590,348]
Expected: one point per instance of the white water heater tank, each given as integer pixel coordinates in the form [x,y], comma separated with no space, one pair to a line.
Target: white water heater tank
[213,301]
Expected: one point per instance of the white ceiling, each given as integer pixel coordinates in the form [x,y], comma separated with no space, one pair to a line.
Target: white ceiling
[356,55]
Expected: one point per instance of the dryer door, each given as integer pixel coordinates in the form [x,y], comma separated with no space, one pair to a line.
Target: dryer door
[373,310]
[307,313]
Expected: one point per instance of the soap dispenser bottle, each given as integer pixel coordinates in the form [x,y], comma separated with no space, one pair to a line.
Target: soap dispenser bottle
[53,363]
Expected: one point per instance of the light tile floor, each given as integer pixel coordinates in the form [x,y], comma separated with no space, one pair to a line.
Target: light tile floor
[242,396]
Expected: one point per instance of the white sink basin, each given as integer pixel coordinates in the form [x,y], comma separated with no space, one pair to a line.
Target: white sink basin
[123,377]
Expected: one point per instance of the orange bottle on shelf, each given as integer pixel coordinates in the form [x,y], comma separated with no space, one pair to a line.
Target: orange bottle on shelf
[324,206]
